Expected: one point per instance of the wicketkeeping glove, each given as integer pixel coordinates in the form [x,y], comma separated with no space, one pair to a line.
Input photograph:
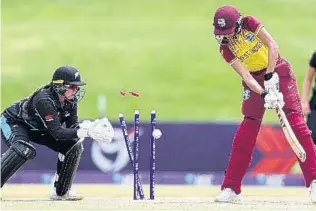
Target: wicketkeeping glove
[100,130]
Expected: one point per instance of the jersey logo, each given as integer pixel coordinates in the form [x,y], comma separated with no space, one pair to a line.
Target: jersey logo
[49,117]
[250,52]
[250,37]
[221,22]
[246,95]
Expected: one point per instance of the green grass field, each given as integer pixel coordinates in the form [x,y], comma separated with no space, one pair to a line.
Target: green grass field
[163,49]
[115,197]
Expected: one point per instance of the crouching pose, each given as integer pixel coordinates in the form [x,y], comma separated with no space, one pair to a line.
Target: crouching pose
[49,117]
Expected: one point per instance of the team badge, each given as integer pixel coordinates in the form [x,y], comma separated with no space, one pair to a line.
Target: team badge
[221,22]
[246,94]
[76,74]
[250,37]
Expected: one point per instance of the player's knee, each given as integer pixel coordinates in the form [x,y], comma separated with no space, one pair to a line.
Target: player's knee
[247,132]
[14,158]
[73,147]
[65,146]
[24,149]
[253,119]
[251,124]
[77,148]
[298,124]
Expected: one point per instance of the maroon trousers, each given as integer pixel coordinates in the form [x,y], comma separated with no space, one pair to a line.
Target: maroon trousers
[253,111]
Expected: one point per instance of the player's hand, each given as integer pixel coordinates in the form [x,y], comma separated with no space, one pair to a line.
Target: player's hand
[306,108]
[100,130]
[273,100]
[271,82]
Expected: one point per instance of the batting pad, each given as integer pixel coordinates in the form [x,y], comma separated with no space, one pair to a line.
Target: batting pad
[68,169]
[14,158]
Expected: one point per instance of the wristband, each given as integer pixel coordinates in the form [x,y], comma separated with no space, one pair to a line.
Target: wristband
[268,76]
[263,94]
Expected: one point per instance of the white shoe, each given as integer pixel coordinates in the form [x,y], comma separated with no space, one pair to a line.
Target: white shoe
[227,195]
[312,192]
[69,196]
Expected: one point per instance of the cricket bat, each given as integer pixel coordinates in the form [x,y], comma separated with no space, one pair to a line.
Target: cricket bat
[290,136]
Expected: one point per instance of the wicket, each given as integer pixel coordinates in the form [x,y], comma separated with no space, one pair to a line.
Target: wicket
[138,192]
[152,156]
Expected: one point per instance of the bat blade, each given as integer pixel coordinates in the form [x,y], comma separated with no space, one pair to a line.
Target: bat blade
[290,136]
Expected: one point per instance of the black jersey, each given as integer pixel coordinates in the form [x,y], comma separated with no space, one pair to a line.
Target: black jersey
[43,112]
[312,63]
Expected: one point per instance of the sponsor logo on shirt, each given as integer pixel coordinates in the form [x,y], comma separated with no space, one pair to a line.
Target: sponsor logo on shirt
[251,51]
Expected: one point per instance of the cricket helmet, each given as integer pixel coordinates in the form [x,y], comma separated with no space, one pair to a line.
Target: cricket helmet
[68,77]
[227,21]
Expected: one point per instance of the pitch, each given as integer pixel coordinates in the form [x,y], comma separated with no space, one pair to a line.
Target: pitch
[119,197]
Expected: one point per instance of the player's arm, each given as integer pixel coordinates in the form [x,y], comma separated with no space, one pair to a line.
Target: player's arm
[100,130]
[273,49]
[231,59]
[247,77]
[48,113]
[72,119]
[307,84]
[254,25]
[308,80]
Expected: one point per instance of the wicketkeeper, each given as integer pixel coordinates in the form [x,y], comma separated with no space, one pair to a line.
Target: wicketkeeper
[268,82]
[49,117]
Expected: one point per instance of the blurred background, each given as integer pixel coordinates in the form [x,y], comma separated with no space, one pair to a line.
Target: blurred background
[165,50]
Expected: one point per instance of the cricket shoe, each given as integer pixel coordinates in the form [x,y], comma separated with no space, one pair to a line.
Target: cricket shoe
[69,196]
[313,191]
[227,195]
